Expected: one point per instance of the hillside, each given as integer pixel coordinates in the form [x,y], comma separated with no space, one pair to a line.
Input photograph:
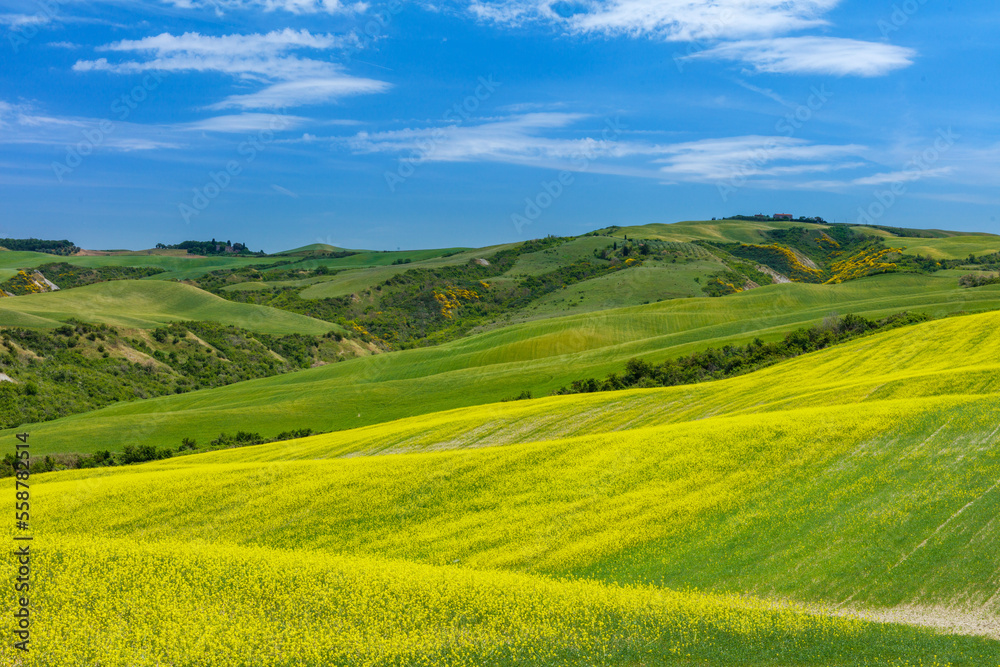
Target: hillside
[538,356]
[604,528]
[835,508]
[403,299]
[80,367]
[145,305]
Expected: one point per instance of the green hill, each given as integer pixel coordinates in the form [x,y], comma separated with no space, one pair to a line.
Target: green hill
[539,356]
[731,523]
[836,508]
[313,249]
[147,304]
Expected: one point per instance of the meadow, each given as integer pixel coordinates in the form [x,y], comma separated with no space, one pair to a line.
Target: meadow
[538,356]
[790,516]
[147,305]
[725,524]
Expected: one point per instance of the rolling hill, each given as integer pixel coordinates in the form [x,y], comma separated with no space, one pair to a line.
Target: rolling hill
[539,356]
[148,304]
[727,523]
[837,508]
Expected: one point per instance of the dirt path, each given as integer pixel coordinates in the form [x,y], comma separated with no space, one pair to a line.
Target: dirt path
[980,624]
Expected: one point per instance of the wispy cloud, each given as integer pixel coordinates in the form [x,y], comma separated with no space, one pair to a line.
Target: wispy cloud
[525,140]
[255,56]
[746,31]
[675,20]
[304,92]
[515,139]
[907,176]
[22,124]
[245,122]
[23,20]
[813,55]
[272,59]
[292,6]
[715,160]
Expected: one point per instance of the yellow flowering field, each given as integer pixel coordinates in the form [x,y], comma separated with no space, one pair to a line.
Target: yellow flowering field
[635,528]
[119,604]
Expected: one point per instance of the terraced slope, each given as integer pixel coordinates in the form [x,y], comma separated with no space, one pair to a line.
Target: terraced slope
[860,477]
[148,304]
[539,356]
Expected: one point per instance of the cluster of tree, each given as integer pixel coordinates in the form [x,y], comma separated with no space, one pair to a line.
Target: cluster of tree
[67,276]
[988,261]
[63,247]
[785,249]
[736,277]
[80,367]
[979,279]
[816,219]
[404,310]
[132,454]
[212,247]
[731,360]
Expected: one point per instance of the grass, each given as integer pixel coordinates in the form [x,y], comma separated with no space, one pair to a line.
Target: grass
[957,246]
[176,267]
[256,606]
[649,283]
[723,231]
[146,305]
[539,356]
[641,527]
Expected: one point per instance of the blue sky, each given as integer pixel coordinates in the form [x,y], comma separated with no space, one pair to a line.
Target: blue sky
[427,124]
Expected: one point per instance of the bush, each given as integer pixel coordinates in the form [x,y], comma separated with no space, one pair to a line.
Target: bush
[978,280]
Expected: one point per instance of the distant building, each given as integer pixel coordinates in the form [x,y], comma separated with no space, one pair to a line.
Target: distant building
[783,216]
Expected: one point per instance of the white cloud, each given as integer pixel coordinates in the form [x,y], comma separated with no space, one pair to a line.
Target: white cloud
[747,31]
[21,20]
[290,79]
[736,158]
[292,6]
[522,140]
[299,93]
[882,178]
[246,122]
[902,176]
[813,55]
[515,139]
[255,56]
[21,124]
[676,20]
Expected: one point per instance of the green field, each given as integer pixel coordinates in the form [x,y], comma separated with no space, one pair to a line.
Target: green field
[148,304]
[836,508]
[539,356]
[730,523]
[176,267]
[955,246]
